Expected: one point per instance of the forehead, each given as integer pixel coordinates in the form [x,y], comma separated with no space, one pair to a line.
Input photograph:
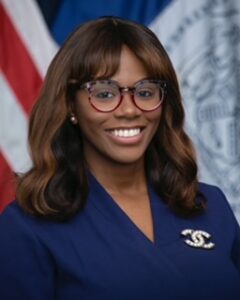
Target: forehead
[128,70]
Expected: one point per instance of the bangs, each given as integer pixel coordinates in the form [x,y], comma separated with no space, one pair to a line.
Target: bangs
[101,59]
[99,50]
[104,63]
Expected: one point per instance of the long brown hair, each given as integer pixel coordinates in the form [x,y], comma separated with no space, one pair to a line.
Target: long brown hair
[56,186]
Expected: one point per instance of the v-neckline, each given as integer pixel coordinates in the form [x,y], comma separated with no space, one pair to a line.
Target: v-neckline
[104,202]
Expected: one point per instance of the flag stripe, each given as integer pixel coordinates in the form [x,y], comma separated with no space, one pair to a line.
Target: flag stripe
[32,30]
[13,129]
[17,64]
[6,183]
[26,49]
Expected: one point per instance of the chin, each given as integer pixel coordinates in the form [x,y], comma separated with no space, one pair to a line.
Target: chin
[128,159]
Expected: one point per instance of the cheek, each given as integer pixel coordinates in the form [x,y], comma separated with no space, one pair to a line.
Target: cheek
[154,122]
[89,120]
[154,117]
[83,111]
[86,123]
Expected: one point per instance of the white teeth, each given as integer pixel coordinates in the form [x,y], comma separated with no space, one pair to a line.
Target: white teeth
[126,132]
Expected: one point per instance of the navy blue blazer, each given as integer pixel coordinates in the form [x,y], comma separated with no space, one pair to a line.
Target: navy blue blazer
[102,254]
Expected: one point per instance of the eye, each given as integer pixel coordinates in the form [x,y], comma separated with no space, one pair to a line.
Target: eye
[103,93]
[145,93]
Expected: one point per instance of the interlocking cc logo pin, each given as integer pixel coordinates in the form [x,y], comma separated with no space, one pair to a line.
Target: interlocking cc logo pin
[199,238]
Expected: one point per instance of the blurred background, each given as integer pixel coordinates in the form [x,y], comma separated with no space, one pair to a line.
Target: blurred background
[202,38]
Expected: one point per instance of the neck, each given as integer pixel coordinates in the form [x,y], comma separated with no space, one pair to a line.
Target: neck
[120,178]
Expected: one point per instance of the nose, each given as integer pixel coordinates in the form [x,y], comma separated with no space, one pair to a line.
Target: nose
[127,108]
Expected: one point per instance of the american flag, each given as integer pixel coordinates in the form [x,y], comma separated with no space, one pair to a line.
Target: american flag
[26,49]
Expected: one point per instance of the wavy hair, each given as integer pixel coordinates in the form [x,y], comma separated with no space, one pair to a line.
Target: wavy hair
[56,187]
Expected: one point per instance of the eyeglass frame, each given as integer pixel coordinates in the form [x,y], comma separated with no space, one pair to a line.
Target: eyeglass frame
[162,85]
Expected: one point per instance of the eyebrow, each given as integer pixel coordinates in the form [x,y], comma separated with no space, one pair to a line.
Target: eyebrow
[115,81]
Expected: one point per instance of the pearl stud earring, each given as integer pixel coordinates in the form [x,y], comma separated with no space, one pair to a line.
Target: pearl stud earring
[73,119]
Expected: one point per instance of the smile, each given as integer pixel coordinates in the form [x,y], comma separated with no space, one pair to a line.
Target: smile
[126,132]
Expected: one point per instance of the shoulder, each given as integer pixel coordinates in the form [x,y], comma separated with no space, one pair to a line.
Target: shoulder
[33,231]
[17,235]
[17,225]
[15,217]
[21,233]
[219,215]
[210,191]
[222,219]
[216,199]
[22,254]
[217,219]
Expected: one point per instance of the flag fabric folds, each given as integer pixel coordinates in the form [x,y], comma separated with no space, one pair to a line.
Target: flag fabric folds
[202,38]
[25,51]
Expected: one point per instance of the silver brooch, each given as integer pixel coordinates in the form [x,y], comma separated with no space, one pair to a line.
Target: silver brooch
[199,238]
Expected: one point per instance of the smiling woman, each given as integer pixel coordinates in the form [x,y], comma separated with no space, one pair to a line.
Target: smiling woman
[112,207]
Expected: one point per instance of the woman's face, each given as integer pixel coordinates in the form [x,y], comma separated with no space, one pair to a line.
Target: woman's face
[103,138]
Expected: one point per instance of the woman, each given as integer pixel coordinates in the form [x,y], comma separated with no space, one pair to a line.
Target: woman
[112,208]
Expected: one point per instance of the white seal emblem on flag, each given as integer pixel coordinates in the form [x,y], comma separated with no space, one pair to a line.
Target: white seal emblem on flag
[204,45]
